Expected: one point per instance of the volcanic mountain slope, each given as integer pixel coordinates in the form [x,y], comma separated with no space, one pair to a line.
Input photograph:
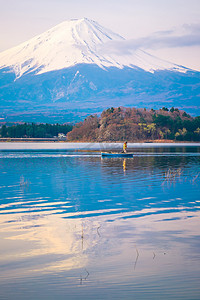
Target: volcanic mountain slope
[78,64]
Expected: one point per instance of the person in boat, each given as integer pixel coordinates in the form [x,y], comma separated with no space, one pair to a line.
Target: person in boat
[124,147]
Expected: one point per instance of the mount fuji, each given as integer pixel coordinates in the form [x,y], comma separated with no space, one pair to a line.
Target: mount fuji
[79,67]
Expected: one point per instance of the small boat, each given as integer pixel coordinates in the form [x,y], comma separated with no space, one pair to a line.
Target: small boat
[116,154]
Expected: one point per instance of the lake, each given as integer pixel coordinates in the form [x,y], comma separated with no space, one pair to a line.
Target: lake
[76,226]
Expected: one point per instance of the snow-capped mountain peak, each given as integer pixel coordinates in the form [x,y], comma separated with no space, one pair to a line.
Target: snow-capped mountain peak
[77,41]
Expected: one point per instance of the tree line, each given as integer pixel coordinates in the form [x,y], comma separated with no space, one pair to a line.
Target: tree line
[117,124]
[34,130]
[132,124]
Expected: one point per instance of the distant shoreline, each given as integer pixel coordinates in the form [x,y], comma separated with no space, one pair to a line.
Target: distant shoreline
[8,140]
[84,146]
[53,140]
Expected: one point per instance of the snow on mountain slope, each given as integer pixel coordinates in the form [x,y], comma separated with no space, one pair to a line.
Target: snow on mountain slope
[77,42]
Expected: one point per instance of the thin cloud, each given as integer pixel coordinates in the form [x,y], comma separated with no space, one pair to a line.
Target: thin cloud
[186,36]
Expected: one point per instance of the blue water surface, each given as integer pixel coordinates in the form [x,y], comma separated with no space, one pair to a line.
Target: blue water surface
[76,226]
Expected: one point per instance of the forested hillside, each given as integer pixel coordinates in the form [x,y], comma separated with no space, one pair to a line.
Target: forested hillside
[117,124]
[131,124]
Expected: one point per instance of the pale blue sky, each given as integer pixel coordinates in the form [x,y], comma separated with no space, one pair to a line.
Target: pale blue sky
[20,20]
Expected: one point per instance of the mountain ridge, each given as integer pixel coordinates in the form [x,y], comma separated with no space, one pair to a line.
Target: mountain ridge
[74,42]
[35,80]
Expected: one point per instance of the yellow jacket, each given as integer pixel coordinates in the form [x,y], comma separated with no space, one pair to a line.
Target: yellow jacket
[124,146]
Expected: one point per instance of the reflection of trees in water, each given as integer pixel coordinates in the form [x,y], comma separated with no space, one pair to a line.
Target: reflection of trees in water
[164,161]
[91,183]
[173,149]
[170,169]
[147,163]
[152,162]
[148,158]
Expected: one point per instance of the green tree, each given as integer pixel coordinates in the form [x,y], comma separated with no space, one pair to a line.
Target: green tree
[165,109]
[185,115]
[4,131]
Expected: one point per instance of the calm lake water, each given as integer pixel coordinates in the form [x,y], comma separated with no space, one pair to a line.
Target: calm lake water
[76,226]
